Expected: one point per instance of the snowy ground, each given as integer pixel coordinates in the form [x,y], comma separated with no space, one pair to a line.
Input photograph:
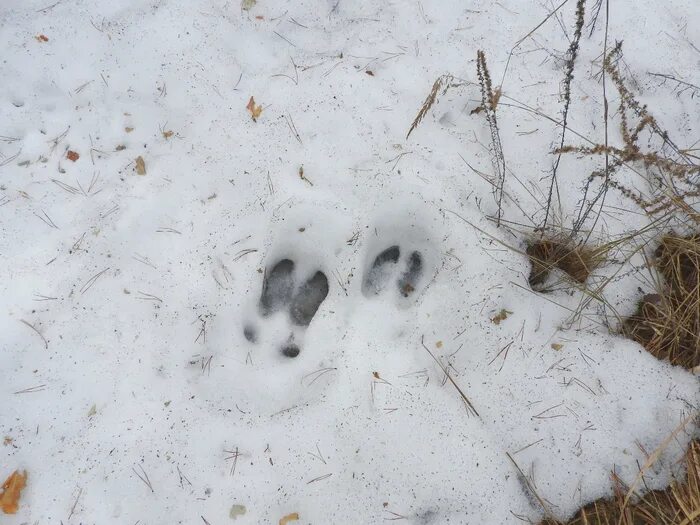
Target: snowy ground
[138,287]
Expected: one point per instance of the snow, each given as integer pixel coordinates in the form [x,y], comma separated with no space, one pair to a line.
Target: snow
[139,287]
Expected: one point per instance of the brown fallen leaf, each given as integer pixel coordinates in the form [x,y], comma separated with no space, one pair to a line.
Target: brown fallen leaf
[303,177]
[438,344]
[500,316]
[294,516]
[120,147]
[140,165]
[72,155]
[168,134]
[254,109]
[369,72]
[11,491]
[557,346]
[42,38]
[128,129]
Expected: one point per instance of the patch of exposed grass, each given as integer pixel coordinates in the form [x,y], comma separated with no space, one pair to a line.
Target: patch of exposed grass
[577,261]
[678,504]
[667,323]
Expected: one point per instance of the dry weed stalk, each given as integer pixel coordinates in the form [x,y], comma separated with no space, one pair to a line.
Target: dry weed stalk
[489,102]
[569,65]
[440,86]
[670,178]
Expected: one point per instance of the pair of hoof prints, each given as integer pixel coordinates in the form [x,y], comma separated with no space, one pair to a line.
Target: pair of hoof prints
[280,290]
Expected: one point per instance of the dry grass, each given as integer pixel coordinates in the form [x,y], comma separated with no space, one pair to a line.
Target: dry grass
[678,504]
[667,323]
[575,260]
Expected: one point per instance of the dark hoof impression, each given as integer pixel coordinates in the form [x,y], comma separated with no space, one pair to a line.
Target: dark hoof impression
[280,291]
[290,350]
[308,298]
[250,333]
[278,287]
[384,268]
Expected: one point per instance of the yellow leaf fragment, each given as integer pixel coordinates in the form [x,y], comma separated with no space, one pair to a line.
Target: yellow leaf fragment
[11,491]
[237,510]
[500,316]
[557,346]
[294,516]
[254,109]
[140,165]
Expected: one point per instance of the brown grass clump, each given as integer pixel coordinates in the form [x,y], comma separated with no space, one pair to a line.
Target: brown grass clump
[667,323]
[678,504]
[577,261]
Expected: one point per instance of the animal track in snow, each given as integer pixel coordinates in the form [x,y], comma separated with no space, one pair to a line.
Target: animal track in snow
[386,267]
[281,292]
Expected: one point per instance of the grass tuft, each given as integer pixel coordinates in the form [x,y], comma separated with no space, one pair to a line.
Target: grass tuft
[577,261]
[667,322]
[678,504]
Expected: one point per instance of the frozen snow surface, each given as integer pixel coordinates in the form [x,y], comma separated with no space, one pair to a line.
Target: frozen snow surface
[130,392]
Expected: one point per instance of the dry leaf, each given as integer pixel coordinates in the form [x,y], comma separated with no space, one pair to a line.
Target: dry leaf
[121,147]
[294,516]
[140,165]
[500,316]
[476,110]
[11,490]
[128,129]
[260,17]
[376,374]
[438,344]
[42,38]
[8,440]
[237,510]
[72,155]
[254,109]
[303,177]
[557,346]
[247,5]
[168,134]
[369,72]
